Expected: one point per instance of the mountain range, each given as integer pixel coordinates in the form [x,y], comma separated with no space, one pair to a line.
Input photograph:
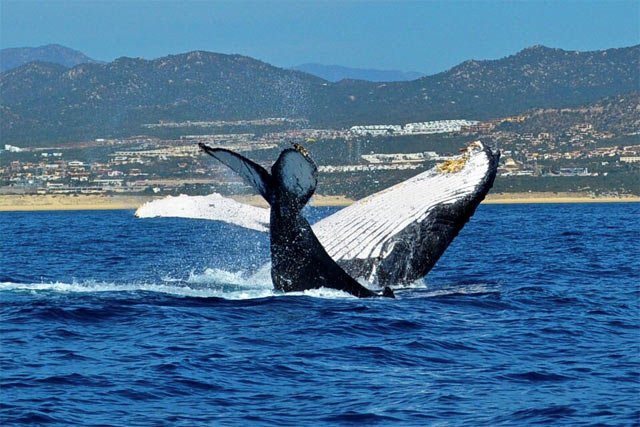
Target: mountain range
[58,54]
[43,102]
[54,53]
[335,73]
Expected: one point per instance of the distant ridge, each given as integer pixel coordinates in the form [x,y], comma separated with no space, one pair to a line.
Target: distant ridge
[42,102]
[335,73]
[54,53]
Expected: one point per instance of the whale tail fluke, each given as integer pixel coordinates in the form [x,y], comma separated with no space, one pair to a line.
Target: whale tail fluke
[296,174]
[254,174]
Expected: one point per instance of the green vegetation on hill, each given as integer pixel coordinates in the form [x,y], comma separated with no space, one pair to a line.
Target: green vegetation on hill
[615,114]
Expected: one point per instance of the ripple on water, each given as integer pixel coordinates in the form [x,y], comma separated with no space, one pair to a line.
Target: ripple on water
[526,319]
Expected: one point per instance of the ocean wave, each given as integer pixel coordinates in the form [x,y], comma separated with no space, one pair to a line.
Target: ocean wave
[211,283]
[238,285]
[420,290]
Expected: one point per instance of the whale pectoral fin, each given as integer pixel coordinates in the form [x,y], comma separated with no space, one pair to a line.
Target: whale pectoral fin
[297,173]
[396,236]
[253,173]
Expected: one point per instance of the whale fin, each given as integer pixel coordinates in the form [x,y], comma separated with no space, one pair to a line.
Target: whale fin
[253,173]
[397,235]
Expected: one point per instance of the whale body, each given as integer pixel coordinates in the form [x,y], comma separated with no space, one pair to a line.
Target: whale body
[298,260]
[391,238]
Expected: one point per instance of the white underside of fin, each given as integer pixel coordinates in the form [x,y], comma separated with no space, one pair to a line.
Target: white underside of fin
[362,229]
[213,207]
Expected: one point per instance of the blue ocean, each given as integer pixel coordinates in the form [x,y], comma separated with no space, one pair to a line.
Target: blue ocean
[531,316]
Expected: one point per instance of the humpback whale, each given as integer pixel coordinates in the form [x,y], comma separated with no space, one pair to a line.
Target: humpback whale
[391,238]
[298,260]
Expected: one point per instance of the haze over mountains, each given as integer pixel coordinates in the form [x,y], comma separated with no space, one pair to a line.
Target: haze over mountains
[335,73]
[54,53]
[57,54]
[44,102]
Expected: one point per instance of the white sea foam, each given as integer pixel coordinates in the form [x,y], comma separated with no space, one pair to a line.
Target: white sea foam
[95,287]
[259,279]
[463,289]
[238,285]
[211,283]
[92,286]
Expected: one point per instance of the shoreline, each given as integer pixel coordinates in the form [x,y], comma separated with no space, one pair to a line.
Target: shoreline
[17,203]
[28,203]
[560,197]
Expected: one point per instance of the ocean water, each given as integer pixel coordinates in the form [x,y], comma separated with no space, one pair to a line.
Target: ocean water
[531,316]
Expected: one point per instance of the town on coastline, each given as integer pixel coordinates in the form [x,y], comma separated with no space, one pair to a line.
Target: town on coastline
[353,162]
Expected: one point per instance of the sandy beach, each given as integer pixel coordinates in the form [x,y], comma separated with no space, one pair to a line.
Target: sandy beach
[491,199]
[511,198]
[68,203]
[97,202]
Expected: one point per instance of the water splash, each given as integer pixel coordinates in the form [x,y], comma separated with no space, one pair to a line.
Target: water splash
[211,283]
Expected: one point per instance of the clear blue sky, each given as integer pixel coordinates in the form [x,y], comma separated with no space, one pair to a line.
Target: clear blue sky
[427,36]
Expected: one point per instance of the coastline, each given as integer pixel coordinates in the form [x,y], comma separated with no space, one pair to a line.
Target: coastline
[12,203]
[547,197]
[47,202]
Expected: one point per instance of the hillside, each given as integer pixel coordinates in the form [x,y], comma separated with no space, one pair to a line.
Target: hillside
[617,114]
[537,77]
[14,57]
[48,102]
[45,102]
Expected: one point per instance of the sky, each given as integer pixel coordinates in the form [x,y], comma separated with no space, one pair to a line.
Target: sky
[425,36]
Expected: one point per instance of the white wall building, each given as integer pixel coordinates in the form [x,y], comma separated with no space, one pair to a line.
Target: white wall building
[418,128]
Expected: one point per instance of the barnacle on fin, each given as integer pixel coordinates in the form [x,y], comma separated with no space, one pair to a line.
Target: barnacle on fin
[454,165]
[451,166]
[300,148]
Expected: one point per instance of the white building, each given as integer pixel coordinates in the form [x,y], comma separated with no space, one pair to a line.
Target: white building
[418,128]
